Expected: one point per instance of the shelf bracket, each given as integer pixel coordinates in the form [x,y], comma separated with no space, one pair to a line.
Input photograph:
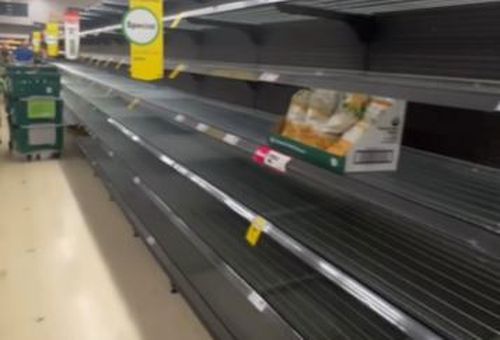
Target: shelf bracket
[251,30]
[365,26]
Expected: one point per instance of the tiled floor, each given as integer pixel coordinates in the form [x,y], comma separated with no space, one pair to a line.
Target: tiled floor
[69,266]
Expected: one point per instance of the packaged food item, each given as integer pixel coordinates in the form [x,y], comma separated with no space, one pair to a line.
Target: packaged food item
[343,132]
[324,141]
[344,145]
[322,105]
[297,113]
[355,103]
[377,107]
[351,110]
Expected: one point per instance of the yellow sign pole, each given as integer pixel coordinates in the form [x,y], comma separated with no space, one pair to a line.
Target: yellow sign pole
[52,39]
[143,27]
[36,41]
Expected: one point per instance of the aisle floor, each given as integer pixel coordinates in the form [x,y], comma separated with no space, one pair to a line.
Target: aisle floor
[69,265]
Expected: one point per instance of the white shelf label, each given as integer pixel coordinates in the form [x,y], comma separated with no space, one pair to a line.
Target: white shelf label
[257,301]
[119,65]
[180,118]
[231,139]
[277,160]
[202,127]
[269,77]
[134,104]
[151,240]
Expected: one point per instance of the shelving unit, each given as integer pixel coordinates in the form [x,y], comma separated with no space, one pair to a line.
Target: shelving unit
[160,139]
[475,94]
[274,281]
[255,12]
[177,247]
[248,130]
[412,254]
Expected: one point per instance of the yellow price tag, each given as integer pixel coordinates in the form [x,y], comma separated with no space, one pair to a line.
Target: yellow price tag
[177,71]
[177,21]
[254,233]
[52,38]
[119,65]
[134,104]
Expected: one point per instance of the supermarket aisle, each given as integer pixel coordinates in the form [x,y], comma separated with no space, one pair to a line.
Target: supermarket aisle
[69,266]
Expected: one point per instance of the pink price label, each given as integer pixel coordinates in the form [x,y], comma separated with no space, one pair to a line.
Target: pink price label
[260,155]
[265,156]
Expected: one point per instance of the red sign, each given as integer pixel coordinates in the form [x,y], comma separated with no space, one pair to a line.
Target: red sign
[260,155]
[72,17]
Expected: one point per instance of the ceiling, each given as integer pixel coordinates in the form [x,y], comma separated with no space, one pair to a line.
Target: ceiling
[39,11]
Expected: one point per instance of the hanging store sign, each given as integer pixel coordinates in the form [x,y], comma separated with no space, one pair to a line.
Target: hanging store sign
[143,27]
[36,41]
[72,35]
[52,39]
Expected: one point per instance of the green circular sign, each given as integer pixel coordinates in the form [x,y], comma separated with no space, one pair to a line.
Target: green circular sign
[141,26]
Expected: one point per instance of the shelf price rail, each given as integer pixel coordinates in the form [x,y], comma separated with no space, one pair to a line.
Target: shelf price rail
[475,94]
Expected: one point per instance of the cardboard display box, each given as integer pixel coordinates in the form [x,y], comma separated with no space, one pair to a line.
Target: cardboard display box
[349,133]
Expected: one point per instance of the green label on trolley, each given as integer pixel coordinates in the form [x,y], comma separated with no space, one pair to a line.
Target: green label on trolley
[42,108]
